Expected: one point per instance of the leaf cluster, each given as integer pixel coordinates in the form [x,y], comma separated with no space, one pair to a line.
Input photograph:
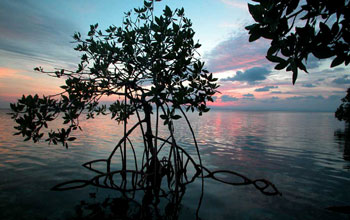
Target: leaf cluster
[32,113]
[343,111]
[148,61]
[299,28]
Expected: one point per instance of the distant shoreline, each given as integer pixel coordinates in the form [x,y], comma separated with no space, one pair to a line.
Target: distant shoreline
[249,110]
[268,110]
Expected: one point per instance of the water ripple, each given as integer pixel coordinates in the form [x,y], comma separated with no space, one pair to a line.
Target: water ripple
[298,152]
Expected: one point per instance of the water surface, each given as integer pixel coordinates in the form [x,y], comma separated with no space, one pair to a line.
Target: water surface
[298,152]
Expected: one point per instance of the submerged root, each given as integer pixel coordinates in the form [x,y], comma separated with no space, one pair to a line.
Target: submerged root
[163,172]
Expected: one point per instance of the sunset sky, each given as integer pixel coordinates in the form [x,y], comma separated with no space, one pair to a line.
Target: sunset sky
[39,33]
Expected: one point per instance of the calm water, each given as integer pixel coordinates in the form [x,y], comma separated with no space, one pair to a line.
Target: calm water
[298,152]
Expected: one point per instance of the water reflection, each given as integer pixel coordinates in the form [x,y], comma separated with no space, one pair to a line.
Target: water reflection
[343,138]
[123,207]
[298,152]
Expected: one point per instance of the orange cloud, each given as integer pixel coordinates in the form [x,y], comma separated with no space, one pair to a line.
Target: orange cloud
[15,82]
[8,73]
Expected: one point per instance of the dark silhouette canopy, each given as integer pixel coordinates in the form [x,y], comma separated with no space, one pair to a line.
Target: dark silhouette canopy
[300,28]
[343,111]
[152,68]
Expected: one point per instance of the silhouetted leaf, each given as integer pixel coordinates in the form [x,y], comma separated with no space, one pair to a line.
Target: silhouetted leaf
[72,138]
[175,117]
[254,36]
[337,61]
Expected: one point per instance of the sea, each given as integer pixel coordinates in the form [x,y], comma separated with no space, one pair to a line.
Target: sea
[306,155]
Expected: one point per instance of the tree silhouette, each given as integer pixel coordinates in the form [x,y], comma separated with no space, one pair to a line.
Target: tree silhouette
[300,28]
[152,68]
[343,111]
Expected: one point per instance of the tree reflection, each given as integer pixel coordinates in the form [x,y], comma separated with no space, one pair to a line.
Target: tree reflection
[343,138]
[124,207]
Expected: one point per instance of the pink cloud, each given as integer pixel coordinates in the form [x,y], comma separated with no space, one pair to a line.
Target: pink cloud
[15,82]
[236,4]
[9,73]
[219,103]
[237,53]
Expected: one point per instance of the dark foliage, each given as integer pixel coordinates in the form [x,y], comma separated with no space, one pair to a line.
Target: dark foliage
[343,111]
[300,28]
[150,61]
[151,67]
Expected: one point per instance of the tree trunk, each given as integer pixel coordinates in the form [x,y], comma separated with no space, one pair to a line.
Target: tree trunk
[153,166]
